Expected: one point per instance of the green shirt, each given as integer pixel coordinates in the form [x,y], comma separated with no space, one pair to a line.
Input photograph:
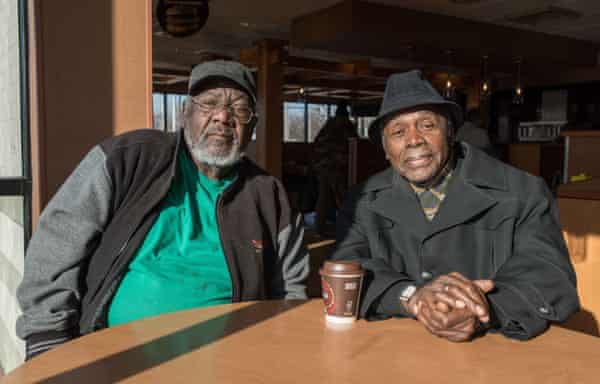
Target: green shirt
[180,264]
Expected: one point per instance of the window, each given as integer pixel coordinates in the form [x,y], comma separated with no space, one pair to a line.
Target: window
[302,121]
[15,173]
[294,126]
[362,125]
[158,111]
[174,112]
[167,111]
[317,116]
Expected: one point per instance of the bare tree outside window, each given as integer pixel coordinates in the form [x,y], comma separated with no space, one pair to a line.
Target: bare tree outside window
[317,116]
[293,122]
[158,106]
[174,111]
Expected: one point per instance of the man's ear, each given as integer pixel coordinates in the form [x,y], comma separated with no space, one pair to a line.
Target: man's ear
[250,127]
[383,146]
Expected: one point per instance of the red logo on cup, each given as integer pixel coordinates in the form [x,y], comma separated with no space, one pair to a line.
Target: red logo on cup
[328,296]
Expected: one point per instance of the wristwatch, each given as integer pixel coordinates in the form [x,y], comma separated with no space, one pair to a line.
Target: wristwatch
[407,293]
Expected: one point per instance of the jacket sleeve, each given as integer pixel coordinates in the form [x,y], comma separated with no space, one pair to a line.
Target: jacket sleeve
[293,259]
[292,267]
[537,284]
[382,283]
[56,259]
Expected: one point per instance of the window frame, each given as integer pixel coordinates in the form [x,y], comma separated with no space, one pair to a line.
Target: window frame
[22,186]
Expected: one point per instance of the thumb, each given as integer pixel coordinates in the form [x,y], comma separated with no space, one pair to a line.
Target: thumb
[485,285]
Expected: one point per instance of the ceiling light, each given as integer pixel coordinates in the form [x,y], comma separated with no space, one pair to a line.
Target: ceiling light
[485,84]
[518,97]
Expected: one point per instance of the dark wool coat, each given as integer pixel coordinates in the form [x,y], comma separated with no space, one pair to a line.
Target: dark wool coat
[496,223]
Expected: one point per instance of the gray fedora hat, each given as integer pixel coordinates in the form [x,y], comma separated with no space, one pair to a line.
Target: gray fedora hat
[408,90]
[239,74]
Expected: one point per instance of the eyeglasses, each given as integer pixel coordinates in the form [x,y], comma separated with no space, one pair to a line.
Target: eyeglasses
[242,114]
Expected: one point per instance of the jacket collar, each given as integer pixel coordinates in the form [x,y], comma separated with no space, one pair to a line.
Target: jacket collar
[467,196]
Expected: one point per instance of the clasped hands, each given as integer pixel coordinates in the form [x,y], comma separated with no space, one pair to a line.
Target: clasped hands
[451,306]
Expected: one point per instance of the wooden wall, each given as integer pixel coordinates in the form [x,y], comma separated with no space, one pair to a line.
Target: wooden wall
[92,73]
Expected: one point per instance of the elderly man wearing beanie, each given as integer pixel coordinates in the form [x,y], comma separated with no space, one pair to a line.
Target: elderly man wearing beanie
[450,236]
[150,223]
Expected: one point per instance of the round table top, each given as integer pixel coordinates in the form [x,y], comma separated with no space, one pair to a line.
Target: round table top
[290,342]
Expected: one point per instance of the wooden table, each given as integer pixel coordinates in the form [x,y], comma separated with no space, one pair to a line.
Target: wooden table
[289,342]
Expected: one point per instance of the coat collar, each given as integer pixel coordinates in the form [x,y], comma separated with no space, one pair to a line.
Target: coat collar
[467,196]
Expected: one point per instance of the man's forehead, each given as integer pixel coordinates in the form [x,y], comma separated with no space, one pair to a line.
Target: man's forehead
[224,91]
[420,113]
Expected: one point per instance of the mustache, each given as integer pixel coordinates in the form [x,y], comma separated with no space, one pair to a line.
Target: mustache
[225,131]
[219,131]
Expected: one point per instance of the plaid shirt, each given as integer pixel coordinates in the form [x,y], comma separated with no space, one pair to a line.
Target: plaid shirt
[431,198]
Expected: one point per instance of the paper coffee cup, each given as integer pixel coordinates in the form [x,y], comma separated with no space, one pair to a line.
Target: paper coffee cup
[341,283]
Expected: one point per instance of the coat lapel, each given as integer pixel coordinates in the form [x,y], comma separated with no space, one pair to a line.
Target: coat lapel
[399,203]
[466,196]
[463,201]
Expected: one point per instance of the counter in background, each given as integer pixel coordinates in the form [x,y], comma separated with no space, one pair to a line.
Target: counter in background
[579,206]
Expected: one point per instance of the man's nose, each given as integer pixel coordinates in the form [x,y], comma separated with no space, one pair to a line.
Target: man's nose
[223,114]
[414,137]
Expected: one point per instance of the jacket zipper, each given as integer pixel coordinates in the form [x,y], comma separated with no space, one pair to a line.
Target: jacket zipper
[235,283]
[102,289]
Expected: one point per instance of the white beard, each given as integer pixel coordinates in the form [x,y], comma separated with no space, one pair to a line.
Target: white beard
[201,154]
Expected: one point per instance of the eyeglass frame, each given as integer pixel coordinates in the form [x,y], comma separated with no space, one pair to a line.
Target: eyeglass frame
[230,108]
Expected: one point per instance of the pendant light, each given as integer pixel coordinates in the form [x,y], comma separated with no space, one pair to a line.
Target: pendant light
[485,90]
[449,91]
[518,96]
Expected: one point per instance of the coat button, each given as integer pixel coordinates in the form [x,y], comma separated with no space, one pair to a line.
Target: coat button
[544,310]
[426,275]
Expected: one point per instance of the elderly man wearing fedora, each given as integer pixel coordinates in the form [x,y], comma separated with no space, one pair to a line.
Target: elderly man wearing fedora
[151,222]
[450,236]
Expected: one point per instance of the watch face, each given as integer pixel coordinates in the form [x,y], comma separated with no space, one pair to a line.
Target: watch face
[408,292]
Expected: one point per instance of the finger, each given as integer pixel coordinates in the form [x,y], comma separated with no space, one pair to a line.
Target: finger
[451,301]
[468,327]
[485,285]
[434,311]
[430,317]
[458,317]
[454,279]
[442,307]
[466,291]
[455,336]
[464,323]
[458,275]
[439,291]
[423,319]
[477,306]
[433,318]
[462,332]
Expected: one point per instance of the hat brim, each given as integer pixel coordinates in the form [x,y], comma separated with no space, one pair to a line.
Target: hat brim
[216,81]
